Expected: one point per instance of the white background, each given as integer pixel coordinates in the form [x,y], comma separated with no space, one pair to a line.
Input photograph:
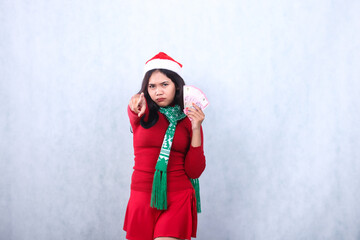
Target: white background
[282,135]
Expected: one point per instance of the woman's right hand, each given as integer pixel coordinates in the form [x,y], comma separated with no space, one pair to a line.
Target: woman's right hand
[137,104]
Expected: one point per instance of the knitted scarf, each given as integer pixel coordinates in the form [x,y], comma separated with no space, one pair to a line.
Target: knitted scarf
[159,187]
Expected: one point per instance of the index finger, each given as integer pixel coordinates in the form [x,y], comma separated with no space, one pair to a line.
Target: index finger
[197,108]
[141,98]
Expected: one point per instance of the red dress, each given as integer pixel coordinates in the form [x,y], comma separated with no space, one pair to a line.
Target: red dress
[185,162]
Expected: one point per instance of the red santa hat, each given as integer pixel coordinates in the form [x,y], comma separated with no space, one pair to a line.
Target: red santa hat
[163,61]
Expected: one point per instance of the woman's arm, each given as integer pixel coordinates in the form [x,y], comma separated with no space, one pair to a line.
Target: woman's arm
[195,159]
[196,138]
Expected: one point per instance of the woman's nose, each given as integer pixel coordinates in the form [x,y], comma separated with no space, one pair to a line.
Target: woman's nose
[158,92]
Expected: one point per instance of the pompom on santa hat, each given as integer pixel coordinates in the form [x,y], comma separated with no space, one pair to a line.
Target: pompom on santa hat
[163,61]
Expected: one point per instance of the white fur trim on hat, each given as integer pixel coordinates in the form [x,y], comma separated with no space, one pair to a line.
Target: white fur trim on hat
[163,61]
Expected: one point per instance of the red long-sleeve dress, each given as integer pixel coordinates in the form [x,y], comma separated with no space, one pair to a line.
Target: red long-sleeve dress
[180,220]
[185,161]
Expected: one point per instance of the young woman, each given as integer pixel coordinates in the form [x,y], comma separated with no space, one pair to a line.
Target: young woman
[169,156]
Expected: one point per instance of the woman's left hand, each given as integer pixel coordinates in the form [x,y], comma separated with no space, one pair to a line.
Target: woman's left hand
[196,116]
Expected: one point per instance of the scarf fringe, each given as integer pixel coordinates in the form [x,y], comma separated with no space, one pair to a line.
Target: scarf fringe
[159,190]
[196,185]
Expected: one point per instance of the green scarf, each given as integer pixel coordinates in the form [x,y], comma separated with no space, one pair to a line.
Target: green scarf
[159,188]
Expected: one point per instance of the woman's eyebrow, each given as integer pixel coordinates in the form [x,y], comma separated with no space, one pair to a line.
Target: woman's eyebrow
[166,81]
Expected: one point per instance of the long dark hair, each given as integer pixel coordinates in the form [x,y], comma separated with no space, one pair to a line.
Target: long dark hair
[153,107]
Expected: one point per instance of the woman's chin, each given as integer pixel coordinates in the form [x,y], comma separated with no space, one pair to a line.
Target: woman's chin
[162,104]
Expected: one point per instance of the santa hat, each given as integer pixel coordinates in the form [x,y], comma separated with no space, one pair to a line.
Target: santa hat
[163,61]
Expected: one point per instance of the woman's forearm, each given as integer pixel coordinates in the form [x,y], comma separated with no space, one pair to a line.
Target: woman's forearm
[196,138]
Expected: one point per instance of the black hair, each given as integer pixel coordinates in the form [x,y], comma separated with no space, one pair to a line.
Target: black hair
[153,107]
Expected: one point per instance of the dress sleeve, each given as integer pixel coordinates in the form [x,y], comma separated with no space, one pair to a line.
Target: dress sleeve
[195,160]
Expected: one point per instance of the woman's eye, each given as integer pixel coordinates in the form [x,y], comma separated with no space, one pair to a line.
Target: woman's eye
[151,86]
[165,84]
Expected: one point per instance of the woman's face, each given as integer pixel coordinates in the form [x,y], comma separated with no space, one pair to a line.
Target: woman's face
[161,89]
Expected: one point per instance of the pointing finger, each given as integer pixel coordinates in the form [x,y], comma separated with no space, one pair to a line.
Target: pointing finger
[141,99]
[142,111]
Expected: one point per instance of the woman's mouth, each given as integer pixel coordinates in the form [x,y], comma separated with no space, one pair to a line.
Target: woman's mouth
[161,99]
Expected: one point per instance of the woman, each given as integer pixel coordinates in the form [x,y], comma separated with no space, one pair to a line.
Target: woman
[169,157]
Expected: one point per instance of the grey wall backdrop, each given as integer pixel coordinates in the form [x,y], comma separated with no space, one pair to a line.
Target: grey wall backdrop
[282,129]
